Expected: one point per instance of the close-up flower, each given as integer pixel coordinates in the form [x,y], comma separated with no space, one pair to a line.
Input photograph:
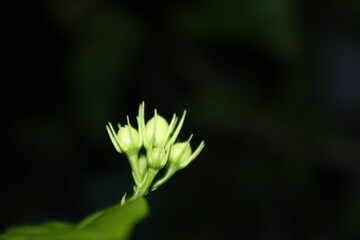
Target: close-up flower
[158,139]
[272,86]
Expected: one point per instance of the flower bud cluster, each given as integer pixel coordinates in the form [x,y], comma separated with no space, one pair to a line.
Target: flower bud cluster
[157,137]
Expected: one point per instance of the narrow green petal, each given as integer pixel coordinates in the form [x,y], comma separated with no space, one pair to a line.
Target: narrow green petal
[112,135]
[194,155]
[171,127]
[141,124]
[177,131]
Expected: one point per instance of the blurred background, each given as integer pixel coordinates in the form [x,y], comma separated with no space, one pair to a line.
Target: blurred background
[272,86]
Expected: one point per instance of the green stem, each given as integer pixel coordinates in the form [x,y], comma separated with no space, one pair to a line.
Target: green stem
[169,172]
[143,189]
[134,163]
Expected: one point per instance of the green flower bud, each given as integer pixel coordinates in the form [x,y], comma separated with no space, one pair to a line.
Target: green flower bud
[128,140]
[157,158]
[158,138]
[181,154]
[157,131]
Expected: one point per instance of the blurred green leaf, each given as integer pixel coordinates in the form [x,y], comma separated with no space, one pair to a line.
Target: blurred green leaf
[116,222]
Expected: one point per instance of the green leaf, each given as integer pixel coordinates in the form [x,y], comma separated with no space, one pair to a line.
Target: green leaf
[114,223]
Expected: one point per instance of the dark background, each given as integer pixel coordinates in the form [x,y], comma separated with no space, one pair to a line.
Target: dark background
[272,86]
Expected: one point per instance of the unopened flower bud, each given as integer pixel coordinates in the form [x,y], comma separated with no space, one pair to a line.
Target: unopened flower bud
[157,158]
[157,131]
[180,153]
[128,139]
